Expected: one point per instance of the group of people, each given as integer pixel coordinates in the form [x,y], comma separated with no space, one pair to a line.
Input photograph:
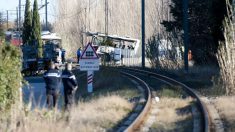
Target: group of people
[53,78]
[79,53]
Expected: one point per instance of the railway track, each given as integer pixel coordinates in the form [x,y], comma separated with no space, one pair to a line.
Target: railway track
[135,119]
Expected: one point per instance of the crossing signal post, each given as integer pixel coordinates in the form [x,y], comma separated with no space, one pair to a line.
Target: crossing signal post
[186,33]
[143,33]
[89,61]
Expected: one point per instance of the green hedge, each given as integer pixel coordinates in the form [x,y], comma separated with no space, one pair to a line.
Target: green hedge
[10,75]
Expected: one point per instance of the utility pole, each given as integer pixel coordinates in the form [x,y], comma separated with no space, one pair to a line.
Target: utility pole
[143,33]
[89,28]
[7,20]
[106,17]
[85,24]
[46,3]
[89,5]
[186,33]
[17,19]
[46,14]
[19,14]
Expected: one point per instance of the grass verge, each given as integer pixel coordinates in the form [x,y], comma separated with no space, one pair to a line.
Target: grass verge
[174,115]
[226,108]
[205,79]
[99,111]
[96,115]
[107,81]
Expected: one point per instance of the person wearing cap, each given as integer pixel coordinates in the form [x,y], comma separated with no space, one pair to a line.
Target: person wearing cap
[70,85]
[53,80]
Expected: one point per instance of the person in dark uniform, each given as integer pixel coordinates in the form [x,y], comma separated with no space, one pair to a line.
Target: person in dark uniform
[63,55]
[52,79]
[70,85]
[78,54]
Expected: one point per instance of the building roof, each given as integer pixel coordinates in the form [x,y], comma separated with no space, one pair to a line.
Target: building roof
[50,36]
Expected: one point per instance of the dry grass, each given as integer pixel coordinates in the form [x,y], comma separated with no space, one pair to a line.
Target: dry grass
[99,111]
[174,115]
[108,81]
[205,79]
[226,56]
[168,109]
[226,108]
[96,115]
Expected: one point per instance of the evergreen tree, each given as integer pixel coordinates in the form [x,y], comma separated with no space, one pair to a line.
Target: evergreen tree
[219,11]
[1,26]
[36,29]
[27,26]
[203,27]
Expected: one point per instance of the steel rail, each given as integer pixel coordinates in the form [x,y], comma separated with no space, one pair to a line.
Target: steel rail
[139,119]
[190,91]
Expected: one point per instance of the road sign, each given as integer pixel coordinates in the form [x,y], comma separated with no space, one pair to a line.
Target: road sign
[89,60]
[89,64]
[89,53]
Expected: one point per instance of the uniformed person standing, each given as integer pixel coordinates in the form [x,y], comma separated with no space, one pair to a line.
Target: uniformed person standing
[63,55]
[78,54]
[52,79]
[70,85]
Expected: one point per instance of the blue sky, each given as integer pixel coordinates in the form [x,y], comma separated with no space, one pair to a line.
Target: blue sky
[12,4]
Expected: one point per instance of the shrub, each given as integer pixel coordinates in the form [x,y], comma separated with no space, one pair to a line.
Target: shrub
[164,53]
[10,76]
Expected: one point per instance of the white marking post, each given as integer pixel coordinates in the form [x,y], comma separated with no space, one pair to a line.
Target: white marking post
[90,81]
[89,62]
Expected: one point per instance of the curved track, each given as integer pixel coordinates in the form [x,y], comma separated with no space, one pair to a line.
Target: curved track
[135,123]
[142,108]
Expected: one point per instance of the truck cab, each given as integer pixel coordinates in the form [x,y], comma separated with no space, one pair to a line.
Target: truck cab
[52,47]
[51,52]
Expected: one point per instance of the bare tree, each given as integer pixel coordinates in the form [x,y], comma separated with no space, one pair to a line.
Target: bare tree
[124,19]
[70,24]
[226,51]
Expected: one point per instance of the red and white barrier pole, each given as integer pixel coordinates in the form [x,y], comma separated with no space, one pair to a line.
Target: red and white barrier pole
[90,81]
